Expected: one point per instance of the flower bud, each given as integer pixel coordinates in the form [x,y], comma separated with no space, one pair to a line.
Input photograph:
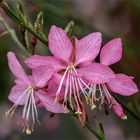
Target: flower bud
[118,110]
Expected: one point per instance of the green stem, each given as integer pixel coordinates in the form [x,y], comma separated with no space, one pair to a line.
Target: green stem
[24,24]
[94,132]
[13,35]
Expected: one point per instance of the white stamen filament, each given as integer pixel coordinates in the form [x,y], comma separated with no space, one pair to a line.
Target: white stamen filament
[29,107]
[66,89]
[73,86]
[61,83]
[77,90]
[105,96]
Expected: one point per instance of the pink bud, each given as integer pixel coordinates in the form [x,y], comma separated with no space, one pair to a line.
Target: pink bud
[118,110]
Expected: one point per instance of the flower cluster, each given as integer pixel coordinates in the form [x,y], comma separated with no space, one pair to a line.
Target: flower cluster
[63,80]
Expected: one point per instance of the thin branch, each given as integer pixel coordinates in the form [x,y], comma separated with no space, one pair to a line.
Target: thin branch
[24,24]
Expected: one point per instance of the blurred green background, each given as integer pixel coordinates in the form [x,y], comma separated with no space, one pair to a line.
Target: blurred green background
[113,18]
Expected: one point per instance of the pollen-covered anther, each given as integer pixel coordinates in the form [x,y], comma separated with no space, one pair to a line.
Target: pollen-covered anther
[10,112]
[124,117]
[93,107]
[28,132]
[78,113]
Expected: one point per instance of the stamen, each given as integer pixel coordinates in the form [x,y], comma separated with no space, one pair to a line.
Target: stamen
[66,92]
[83,91]
[13,108]
[102,97]
[75,97]
[70,96]
[61,82]
[92,92]
[29,107]
[77,91]
[66,89]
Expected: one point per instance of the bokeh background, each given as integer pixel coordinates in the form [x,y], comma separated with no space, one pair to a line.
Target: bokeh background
[113,18]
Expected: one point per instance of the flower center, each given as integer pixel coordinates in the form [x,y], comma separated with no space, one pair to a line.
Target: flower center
[73,86]
[29,110]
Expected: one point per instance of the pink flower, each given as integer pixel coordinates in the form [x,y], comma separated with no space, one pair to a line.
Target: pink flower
[69,57]
[28,92]
[120,83]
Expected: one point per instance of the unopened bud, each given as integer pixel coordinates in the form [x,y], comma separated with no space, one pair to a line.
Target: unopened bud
[118,110]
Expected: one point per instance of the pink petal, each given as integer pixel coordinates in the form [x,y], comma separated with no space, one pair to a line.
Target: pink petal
[22,83]
[48,103]
[59,44]
[15,94]
[88,47]
[123,85]
[16,68]
[96,73]
[53,86]
[36,61]
[111,52]
[41,75]
[84,64]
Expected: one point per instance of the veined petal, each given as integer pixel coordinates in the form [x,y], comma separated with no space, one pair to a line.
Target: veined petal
[88,47]
[36,61]
[15,94]
[41,75]
[123,85]
[48,103]
[111,52]
[59,44]
[16,68]
[96,73]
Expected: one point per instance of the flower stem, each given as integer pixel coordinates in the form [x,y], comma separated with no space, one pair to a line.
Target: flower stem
[94,132]
[23,23]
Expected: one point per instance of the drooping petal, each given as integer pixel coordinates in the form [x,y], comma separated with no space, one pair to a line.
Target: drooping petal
[36,61]
[123,85]
[96,73]
[59,44]
[41,75]
[15,94]
[16,68]
[88,47]
[111,52]
[48,103]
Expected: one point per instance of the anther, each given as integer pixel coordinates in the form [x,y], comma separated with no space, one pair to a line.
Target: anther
[124,117]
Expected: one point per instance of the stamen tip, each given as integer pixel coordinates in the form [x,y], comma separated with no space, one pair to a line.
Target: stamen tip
[124,117]
[78,113]
[28,132]
[94,106]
